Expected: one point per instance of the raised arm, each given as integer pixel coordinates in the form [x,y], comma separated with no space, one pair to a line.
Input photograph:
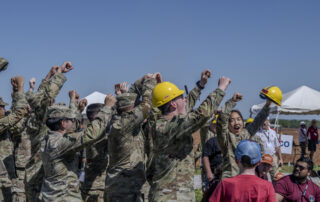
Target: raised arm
[20,105]
[259,119]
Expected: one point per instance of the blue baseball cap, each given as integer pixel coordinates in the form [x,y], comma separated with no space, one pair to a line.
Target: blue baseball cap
[249,148]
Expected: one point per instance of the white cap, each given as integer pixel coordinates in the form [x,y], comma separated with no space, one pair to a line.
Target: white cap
[302,123]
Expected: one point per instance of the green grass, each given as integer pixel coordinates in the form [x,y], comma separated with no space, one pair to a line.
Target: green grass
[198,195]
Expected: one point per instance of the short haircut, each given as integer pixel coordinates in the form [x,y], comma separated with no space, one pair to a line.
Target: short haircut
[54,124]
[308,161]
[165,109]
[93,110]
[246,162]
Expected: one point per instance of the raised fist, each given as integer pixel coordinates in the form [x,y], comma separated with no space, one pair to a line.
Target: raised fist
[82,104]
[72,94]
[66,67]
[204,77]
[110,101]
[124,87]
[237,97]
[17,83]
[32,83]
[157,76]
[223,83]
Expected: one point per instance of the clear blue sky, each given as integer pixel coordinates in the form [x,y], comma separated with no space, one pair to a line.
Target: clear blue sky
[255,43]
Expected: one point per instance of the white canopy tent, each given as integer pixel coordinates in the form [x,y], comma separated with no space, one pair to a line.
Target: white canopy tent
[301,101]
[95,97]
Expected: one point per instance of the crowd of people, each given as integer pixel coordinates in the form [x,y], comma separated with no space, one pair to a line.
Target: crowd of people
[138,145]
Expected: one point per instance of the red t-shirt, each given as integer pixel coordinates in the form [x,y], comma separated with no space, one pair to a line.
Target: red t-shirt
[249,188]
[313,133]
[291,191]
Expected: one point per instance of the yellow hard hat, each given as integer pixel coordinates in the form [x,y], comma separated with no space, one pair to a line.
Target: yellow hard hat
[273,93]
[165,92]
[249,120]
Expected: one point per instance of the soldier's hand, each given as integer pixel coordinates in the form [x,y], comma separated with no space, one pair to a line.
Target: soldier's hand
[66,67]
[117,89]
[72,94]
[54,69]
[17,83]
[77,97]
[110,101]
[223,83]
[204,77]
[237,97]
[124,87]
[82,104]
[32,83]
[268,102]
[158,77]
[145,77]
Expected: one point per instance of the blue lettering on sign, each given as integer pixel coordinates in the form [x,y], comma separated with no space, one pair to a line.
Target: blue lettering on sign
[285,144]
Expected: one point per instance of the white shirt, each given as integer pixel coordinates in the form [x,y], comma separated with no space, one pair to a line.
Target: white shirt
[270,140]
[302,134]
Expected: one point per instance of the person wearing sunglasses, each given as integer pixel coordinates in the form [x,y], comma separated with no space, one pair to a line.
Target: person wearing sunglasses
[297,186]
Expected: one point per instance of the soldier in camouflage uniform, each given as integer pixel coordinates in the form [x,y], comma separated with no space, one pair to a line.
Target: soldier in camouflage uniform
[58,150]
[126,172]
[37,129]
[230,131]
[19,110]
[96,163]
[22,150]
[172,139]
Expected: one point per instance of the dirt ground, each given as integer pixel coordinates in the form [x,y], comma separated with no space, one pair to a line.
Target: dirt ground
[286,157]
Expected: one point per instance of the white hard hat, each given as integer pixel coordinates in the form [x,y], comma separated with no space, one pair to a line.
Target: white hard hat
[302,123]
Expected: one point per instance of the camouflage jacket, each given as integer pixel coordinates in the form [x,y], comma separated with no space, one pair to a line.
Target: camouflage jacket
[229,141]
[126,171]
[60,163]
[19,107]
[173,151]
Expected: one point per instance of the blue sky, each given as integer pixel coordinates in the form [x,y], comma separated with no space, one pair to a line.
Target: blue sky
[255,43]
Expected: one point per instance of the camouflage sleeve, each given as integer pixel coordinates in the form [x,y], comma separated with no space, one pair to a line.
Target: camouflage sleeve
[136,88]
[43,85]
[73,106]
[182,125]
[192,98]
[222,125]
[258,120]
[19,111]
[43,98]
[94,132]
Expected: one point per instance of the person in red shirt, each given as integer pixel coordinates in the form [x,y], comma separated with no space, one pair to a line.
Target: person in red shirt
[246,186]
[313,136]
[297,187]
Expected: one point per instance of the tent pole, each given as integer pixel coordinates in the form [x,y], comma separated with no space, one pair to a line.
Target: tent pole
[276,122]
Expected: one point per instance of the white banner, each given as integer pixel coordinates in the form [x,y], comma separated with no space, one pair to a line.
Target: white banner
[286,144]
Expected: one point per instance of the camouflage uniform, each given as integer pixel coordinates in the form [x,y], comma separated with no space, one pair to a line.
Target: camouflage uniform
[39,102]
[95,171]
[228,141]
[3,64]
[126,172]
[173,151]
[58,151]
[7,170]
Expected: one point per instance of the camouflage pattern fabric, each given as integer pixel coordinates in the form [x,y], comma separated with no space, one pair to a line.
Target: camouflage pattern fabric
[228,141]
[126,172]
[7,168]
[173,150]
[2,103]
[60,163]
[3,64]
[39,101]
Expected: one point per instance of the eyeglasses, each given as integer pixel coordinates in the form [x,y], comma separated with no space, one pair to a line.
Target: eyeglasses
[300,167]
